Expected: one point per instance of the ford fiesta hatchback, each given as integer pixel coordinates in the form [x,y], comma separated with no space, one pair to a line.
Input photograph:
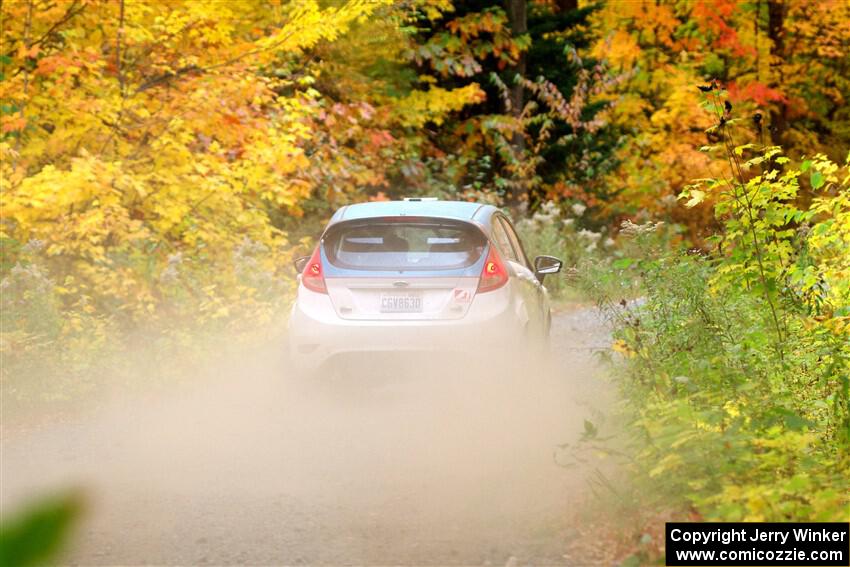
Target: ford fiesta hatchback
[417,276]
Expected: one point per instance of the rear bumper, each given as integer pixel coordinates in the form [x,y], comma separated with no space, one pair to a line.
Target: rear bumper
[317,335]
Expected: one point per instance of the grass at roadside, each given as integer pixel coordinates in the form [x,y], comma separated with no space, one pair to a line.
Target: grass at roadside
[733,367]
[724,422]
[714,428]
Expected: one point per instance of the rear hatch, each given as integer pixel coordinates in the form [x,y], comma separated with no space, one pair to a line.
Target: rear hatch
[403,268]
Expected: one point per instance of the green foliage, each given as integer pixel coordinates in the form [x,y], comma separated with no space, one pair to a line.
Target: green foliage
[535,134]
[719,421]
[39,532]
[736,365]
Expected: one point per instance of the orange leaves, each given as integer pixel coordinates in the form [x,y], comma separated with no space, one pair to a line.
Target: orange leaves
[662,19]
[626,24]
[47,65]
[31,53]
[472,25]
[231,119]
[12,123]
[380,138]
[717,17]
[757,92]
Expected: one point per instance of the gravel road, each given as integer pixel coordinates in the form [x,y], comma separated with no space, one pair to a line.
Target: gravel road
[247,465]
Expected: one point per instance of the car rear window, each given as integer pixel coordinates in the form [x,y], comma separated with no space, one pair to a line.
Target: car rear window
[404,245]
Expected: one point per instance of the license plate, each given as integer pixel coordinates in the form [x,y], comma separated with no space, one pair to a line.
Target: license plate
[401,303]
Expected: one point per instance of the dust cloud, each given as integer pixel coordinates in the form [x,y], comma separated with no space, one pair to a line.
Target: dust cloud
[431,462]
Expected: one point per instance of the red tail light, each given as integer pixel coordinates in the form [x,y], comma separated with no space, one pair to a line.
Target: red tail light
[494,275]
[313,276]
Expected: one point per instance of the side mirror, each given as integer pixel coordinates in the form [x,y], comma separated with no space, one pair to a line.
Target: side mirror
[546,265]
[300,263]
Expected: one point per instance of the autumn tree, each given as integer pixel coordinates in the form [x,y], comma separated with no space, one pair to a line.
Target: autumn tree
[537,122]
[783,60]
[152,153]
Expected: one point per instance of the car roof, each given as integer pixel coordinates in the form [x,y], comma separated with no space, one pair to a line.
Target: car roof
[460,210]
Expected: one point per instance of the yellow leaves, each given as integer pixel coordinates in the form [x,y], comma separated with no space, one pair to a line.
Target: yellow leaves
[732,409]
[667,464]
[632,23]
[308,24]
[621,49]
[793,441]
[839,326]
[623,348]
[420,107]
[708,427]
[433,9]
[681,110]
[290,195]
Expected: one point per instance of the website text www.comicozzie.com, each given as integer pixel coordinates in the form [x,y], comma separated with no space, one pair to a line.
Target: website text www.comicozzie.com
[754,554]
[767,543]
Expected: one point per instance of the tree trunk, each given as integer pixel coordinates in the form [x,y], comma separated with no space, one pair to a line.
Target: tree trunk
[775,31]
[517,14]
[566,5]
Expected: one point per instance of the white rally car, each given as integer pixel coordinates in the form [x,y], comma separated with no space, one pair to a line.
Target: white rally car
[415,277]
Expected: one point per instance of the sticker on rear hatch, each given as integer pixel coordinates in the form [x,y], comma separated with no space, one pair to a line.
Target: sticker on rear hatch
[462,296]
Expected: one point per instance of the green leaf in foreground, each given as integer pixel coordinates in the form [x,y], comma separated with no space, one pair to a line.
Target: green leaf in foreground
[35,535]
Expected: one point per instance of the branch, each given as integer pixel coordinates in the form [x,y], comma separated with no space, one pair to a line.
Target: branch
[27,44]
[165,77]
[70,13]
[118,35]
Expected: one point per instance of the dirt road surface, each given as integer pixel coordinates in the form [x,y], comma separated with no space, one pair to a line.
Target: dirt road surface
[248,465]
